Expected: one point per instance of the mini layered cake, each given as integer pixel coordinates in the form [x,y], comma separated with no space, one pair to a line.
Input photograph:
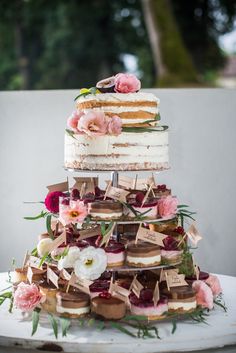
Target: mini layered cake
[145,306]
[106,209]
[164,226]
[181,299]
[108,307]
[161,190]
[148,209]
[98,287]
[115,254]
[20,274]
[73,304]
[49,292]
[170,253]
[143,254]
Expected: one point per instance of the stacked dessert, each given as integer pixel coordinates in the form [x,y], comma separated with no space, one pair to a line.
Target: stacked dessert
[122,248]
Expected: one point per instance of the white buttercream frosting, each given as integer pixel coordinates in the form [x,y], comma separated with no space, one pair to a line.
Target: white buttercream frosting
[144,260]
[119,97]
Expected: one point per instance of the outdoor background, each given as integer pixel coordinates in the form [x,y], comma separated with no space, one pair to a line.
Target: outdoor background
[74,43]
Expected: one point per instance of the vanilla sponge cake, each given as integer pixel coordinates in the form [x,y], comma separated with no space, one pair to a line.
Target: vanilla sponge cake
[128,151]
[134,109]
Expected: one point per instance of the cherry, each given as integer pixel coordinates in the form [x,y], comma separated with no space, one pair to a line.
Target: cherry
[97,191]
[179,230]
[65,202]
[146,295]
[105,295]
[75,194]
[170,243]
[139,198]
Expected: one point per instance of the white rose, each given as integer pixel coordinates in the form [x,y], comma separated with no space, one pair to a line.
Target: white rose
[69,260]
[91,264]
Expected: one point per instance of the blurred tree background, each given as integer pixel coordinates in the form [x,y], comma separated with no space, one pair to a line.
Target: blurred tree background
[72,43]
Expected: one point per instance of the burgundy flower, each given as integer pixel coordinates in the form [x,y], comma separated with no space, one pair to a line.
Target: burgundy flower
[52,201]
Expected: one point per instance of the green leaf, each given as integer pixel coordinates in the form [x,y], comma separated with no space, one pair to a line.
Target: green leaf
[41,215]
[174,326]
[70,133]
[43,259]
[100,325]
[144,129]
[182,206]
[34,252]
[103,228]
[135,317]
[54,324]
[65,324]
[48,225]
[220,303]
[35,320]
[91,322]
[121,328]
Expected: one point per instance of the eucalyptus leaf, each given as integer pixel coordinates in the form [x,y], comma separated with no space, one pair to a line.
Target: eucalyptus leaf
[121,328]
[41,215]
[54,324]
[43,259]
[35,320]
[70,133]
[174,326]
[65,324]
[48,225]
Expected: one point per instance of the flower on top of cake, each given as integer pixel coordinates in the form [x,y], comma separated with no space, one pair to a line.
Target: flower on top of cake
[120,83]
[74,212]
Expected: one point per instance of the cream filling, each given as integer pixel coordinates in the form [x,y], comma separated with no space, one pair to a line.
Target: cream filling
[78,311]
[124,109]
[119,97]
[106,215]
[184,305]
[143,260]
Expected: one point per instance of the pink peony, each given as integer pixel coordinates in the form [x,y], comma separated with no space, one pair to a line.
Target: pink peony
[167,206]
[214,283]
[73,120]
[27,296]
[115,126]
[52,201]
[204,294]
[74,213]
[126,83]
[93,123]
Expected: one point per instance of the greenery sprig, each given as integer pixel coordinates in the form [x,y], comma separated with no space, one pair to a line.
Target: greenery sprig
[86,91]
[183,213]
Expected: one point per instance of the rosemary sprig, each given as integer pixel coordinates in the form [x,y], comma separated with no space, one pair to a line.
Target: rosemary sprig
[219,301]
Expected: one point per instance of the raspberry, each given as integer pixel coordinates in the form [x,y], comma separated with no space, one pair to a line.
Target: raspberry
[75,194]
[139,198]
[105,295]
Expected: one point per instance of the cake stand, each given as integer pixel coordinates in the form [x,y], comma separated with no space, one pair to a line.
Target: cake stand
[220,332]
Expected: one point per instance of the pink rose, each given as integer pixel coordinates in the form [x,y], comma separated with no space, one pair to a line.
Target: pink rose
[74,213]
[204,294]
[73,120]
[126,83]
[93,124]
[214,283]
[115,126]
[167,206]
[27,296]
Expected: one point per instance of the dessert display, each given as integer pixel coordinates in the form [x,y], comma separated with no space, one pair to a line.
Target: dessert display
[118,255]
[143,254]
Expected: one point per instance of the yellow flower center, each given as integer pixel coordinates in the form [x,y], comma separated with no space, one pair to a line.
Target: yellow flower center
[88,262]
[74,214]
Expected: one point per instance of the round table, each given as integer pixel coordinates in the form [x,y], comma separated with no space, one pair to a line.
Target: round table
[220,332]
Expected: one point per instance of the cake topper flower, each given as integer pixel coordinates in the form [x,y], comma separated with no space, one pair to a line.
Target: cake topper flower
[93,124]
[73,213]
[27,296]
[91,263]
[204,294]
[167,206]
[69,260]
[52,201]
[127,83]
[214,283]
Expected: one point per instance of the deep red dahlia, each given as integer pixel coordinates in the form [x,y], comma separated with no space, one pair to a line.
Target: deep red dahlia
[52,201]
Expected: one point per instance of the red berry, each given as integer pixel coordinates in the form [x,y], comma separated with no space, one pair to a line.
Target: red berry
[170,244]
[146,295]
[97,191]
[179,230]
[75,194]
[105,295]
[65,202]
[139,198]
[163,187]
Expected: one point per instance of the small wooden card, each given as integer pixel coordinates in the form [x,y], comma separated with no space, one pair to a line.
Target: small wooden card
[89,184]
[119,292]
[150,236]
[156,294]
[81,284]
[64,186]
[116,193]
[193,234]
[136,287]
[89,232]
[175,280]
[30,274]
[58,241]
[52,276]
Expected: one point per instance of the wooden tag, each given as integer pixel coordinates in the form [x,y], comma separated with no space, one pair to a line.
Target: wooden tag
[59,187]
[116,193]
[106,237]
[52,276]
[193,234]
[82,190]
[58,241]
[143,184]
[196,268]
[89,232]
[156,294]
[119,292]
[164,272]
[150,236]
[30,274]
[126,182]
[56,225]
[34,262]
[175,280]
[136,287]
[90,184]
[65,275]
[147,194]
[81,284]
[26,259]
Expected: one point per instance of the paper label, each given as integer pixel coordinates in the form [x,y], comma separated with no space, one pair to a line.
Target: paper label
[156,294]
[34,262]
[150,236]
[135,183]
[90,184]
[168,272]
[26,259]
[90,232]
[81,284]
[136,287]
[193,234]
[175,280]
[57,242]
[29,274]
[119,292]
[52,276]
[116,193]
[65,275]
[59,187]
